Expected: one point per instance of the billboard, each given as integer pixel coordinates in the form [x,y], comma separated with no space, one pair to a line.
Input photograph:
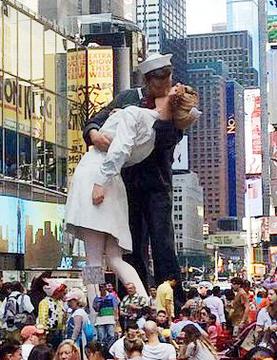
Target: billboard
[180,155]
[231,148]
[37,229]
[252,126]
[94,97]
[253,197]
[272,21]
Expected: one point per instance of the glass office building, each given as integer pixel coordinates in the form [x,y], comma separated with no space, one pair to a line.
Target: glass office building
[164,25]
[41,117]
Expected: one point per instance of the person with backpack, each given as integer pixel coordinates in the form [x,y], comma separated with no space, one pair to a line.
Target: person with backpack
[51,312]
[78,327]
[16,311]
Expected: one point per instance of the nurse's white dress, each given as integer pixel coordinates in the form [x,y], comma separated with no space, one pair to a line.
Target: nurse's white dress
[133,140]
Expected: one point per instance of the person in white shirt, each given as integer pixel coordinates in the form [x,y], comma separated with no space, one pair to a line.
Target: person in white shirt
[266,319]
[31,336]
[215,304]
[117,349]
[154,349]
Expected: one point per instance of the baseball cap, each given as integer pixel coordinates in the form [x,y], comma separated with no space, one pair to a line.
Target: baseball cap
[30,330]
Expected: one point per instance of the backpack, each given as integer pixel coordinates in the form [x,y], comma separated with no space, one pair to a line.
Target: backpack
[14,314]
[89,331]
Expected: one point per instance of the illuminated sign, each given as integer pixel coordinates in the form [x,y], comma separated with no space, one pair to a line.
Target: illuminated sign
[252,126]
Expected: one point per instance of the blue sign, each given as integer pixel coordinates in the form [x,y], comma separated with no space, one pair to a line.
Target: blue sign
[231,148]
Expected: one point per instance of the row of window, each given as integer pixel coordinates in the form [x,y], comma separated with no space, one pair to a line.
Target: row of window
[241,40]
[36,53]
[39,162]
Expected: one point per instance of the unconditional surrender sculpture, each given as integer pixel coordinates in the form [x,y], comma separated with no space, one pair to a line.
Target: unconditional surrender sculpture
[97,206]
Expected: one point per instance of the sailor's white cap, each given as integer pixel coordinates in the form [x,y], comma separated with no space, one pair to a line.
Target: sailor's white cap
[154,62]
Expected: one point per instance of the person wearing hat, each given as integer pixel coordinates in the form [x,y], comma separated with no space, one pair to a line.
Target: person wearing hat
[31,336]
[148,183]
[50,311]
[76,300]
[203,288]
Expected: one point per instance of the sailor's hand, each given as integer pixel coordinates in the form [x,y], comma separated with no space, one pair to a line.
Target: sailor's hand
[97,194]
[101,141]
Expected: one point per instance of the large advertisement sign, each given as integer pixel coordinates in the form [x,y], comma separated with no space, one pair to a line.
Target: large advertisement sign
[37,229]
[98,63]
[180,155]
[272,21]
[231,148]
[35,107]
[253,197]
[252,125]
[11,236]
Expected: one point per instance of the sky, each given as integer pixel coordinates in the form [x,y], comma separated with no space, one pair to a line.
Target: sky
[201,14]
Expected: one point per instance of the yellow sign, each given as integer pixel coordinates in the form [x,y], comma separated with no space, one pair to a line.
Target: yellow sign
[100,78]
[93,93]
[28,109]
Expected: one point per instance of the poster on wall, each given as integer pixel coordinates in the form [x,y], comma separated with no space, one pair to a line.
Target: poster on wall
[252,126]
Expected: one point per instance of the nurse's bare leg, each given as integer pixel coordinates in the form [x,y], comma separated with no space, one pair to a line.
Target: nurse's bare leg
[94,243]
[124,271]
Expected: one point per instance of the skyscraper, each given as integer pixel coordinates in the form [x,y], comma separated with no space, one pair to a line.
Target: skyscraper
[207,138]
[164,24]
[115,7]
[244,15]
[234,48]
[161,20]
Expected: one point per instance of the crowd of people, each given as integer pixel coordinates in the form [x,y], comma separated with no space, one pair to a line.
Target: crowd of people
[51,321]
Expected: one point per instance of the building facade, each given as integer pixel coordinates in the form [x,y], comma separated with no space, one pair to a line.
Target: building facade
[58,10]
[187,215]
[41,117]
[244,15]
[207,139]
[164,25]
[234,48]
[115,7]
